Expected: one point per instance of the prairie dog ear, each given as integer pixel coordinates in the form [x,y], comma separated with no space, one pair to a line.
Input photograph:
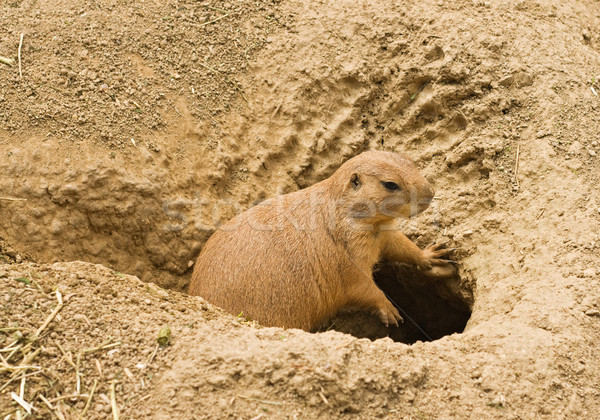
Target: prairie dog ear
[355,181]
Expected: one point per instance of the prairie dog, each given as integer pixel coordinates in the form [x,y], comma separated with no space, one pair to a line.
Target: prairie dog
[295,260]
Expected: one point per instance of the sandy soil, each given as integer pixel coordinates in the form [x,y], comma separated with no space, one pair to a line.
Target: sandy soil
[135,129]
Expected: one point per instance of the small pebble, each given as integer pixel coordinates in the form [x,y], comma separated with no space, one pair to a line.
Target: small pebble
[499,401]
[50,351]
[72,281]
[575,148]
[595,143]
[217,380]
[592,152]
[592,312]
[542,133]
[506,81]
[574,164]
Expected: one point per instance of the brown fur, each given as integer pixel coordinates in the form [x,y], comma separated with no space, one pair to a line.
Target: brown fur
[295,260]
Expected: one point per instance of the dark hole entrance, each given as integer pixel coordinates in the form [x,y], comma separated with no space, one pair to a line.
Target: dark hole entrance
[431,308]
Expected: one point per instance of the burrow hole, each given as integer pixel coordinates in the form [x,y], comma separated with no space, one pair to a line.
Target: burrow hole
[431,307]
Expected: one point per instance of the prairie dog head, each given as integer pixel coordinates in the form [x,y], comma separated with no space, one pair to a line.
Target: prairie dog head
[380,186]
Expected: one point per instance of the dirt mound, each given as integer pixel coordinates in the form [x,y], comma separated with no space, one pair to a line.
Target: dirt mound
[105,330]
[496,101]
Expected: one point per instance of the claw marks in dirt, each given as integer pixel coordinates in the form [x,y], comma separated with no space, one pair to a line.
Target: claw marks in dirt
[318,128]
[326,121]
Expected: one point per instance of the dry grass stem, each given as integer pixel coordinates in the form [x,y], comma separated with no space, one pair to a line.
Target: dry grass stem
[199,25]
[77,374]
[18,377]
[7,61]
[14,351]
[104,346]
[57,412]
[52,315]
[98,367]
[145,397]
[45,401]
[12,199]
[26,406]
[541,213]
[30,357]
[11,347]
[66,356]
[517,165]
[20,46]
[89,400]
[151,357]
[17,368]
[113,400]
[322,395]
[7,329]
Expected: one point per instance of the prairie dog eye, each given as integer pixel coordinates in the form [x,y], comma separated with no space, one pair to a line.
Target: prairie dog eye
[390,186]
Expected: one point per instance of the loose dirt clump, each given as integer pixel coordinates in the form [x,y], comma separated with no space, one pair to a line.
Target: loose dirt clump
[497,102]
